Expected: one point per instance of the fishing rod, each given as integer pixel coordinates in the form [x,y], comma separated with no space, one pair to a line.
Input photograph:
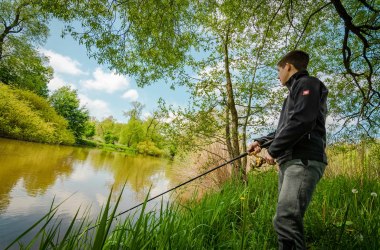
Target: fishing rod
[259,161]
[173,188]
[184,183]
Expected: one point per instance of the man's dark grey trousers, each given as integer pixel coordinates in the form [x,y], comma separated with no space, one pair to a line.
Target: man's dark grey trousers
[296,183]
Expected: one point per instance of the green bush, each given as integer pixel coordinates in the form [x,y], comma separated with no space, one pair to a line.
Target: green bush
[26,116]
[148,148]
[89,129]
[109,138]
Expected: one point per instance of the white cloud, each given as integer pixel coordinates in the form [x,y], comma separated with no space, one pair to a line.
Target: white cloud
[63,64]
[335,123]
[146,115]
[209,70]
[56,83]
[170,118]
[109,82]
[97,108]
[131,95]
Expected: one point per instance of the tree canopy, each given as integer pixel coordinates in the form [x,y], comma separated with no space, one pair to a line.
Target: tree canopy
[65,101]
[153,40]
[22,27]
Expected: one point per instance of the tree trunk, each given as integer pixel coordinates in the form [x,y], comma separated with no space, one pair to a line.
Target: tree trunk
[248,114]
[228,137]
[232,108]
[8,29]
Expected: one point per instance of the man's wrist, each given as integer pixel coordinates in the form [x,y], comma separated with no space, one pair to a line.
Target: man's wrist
[258,141]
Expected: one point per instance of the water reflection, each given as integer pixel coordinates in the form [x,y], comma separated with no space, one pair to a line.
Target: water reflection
[37,164]
[32,174]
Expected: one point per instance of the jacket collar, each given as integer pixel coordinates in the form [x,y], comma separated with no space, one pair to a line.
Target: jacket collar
[295,77]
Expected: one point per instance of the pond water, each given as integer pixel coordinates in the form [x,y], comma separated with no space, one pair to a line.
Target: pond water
[33,174]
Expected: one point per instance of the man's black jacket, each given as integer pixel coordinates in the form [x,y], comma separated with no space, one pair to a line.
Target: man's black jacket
[301,132]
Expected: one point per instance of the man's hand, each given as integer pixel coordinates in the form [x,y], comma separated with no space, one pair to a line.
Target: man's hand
[254,148]
[268,158]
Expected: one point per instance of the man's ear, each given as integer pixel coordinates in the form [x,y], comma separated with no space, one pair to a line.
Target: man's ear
[289,66]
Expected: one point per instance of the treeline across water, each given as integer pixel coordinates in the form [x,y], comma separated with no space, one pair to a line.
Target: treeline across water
[59,119]
[139,135]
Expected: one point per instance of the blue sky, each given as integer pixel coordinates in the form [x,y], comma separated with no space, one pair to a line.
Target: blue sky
[102,91]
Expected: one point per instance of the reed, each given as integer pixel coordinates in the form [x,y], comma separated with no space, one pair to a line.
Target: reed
[353,160]
[199,162]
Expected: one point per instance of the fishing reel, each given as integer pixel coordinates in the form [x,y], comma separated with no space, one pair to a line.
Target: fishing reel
[259,161]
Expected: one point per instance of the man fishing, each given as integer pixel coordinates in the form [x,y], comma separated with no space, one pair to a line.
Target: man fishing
[297,145]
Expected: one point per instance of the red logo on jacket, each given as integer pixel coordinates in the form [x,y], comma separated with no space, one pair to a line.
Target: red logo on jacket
[306,92]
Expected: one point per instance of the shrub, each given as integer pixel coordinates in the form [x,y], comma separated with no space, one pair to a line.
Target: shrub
[148,148]
[26,116]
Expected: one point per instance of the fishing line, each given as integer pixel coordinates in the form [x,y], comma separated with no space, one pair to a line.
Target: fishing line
[264,145]
[173,188]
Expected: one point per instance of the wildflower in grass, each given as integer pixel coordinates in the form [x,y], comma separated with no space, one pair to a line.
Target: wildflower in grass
[373,194]
[242,198]
[359,237]
[354,191]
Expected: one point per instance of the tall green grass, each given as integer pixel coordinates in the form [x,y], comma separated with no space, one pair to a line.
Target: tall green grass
[356,160]
[344,214]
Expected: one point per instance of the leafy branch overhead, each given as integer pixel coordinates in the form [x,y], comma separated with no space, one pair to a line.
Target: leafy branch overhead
[363,25]
[171,40]
[22,27]
[352,29]
[224,52]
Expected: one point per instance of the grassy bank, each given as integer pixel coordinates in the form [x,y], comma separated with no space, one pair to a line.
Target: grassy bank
[344,214]
[130,151]
[355,160]
[240,217]
[107,147]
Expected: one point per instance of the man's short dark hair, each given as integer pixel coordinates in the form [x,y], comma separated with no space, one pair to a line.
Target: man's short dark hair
[298,58]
